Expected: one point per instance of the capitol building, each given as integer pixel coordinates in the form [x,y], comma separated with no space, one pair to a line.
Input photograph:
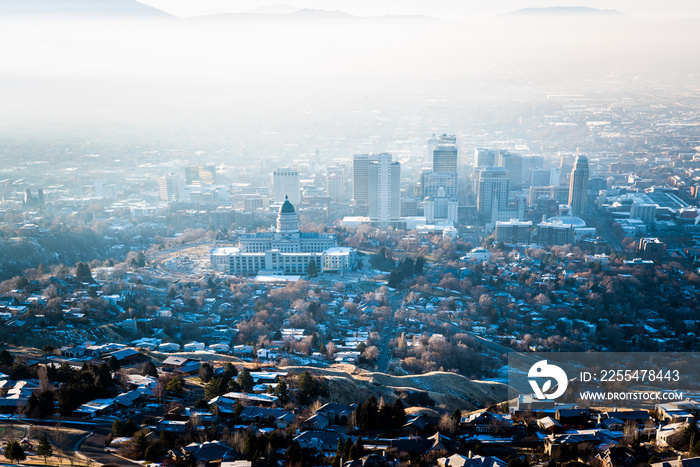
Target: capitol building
[284,251]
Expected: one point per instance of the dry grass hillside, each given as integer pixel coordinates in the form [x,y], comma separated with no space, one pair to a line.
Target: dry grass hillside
[348,384]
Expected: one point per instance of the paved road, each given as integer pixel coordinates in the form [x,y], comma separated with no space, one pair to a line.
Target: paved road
[93,448]
[594,220]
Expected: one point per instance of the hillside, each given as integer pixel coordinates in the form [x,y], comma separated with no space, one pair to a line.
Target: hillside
[348,384]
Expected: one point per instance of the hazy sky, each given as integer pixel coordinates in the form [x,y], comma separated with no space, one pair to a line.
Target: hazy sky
[447,9]
[235,80]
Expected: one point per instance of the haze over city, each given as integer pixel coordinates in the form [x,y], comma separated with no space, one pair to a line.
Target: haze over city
[349,233]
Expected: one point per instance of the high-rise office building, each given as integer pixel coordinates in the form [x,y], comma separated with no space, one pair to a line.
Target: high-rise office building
[513,163]
[360,183]
[578,187]
[105,191]
[431,182]
[170,187]
[432,144]
[560,193]
[493,184]
[444,173]
[544,177]
[200,175]
[643,211]
[384,190]
[334,186]
[445,154]
[484,158]
[285,185]
[440,209]
[513,231]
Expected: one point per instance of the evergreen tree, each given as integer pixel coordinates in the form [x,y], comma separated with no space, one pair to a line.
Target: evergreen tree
[139,261]
[230,371]
[371,409]
[282,392]
[311,269]
[6,358]
[82,273]
[395,278]
[14,452]
[206,372]
[152,454]
[175,385]
[139,444]
[407,267]
[457,416]
[44,448]
[33,406]
[116,428]
[246,380]
[294,454]
[399,416]
[418,267]
[215,387]
[347,448]
[384,419]
[360,446]
[129,428]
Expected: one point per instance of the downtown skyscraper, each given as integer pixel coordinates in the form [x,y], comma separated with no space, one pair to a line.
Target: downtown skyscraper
[285,185]
[578,187]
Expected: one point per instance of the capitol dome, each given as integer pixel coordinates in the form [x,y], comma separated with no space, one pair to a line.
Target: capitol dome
[287,221]
[287,207]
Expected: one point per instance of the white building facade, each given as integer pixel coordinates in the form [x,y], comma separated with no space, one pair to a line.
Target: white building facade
[286,251]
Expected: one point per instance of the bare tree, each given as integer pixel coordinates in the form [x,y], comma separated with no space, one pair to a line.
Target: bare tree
[447,424]
[44,383]
[630,433]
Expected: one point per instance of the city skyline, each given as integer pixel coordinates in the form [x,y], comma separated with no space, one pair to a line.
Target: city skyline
[350,233]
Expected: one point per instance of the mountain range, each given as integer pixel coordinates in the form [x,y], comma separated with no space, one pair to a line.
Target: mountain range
[79,8]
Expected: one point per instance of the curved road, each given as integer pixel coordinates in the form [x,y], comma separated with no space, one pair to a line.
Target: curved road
[93,447]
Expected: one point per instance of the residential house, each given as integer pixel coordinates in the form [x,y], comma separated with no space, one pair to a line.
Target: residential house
[73,351]
[322,441]
[169,347]
[210,453]
[338,414]
[124,355]
[194,346]
[219,347]
[181,365]
[553,442]
[486,422]
[471,460]
[617,456]
[315,422]
[94,408]
[243,351]
[693,462]
[670,434]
